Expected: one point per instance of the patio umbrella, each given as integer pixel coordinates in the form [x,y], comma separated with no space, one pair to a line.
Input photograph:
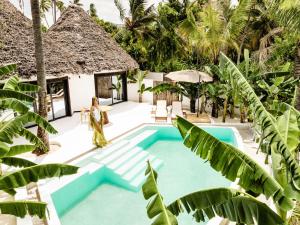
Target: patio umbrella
[190,76]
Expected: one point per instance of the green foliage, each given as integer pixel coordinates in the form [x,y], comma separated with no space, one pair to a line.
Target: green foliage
[267,123]
[23,208]
[14,97]
[232,163]
[156,207]
[227,203]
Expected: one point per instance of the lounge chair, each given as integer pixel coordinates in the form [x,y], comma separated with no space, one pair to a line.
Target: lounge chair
[176,110]
[161,110]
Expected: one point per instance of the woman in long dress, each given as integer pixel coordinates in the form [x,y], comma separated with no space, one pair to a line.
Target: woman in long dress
[97,121]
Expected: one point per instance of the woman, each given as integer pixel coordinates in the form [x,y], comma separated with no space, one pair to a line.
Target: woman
[97,121]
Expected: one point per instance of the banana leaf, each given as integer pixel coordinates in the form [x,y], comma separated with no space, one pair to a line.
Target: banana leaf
[268,124]
[227,203]
[13,127]
[156,207]
[232,163]
[32,138]
[11,83]
[22,208]
[17,150]
[14,104]
[15,94]
[7,69]
[16,162]
[27,175]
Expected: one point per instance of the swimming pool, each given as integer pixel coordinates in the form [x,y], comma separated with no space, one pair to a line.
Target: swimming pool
[108,190]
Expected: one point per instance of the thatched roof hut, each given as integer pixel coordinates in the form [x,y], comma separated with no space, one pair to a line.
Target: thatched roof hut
[92,48]
[74,45]
[16,46]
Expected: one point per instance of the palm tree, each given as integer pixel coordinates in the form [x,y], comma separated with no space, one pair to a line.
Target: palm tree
[76,2]
[139,17]
[40,66]
[213,27]
[60,5]
[93,10]
[45,5]
[285,14]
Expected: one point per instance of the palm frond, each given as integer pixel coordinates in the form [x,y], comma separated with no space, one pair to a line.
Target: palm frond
[27,175]
[232,163]
[156,207]
[15,94]
[22,208]
[7,69]
[267,122]
[17,162]
[120,8]
[226,203]
[14,104]
[11,128]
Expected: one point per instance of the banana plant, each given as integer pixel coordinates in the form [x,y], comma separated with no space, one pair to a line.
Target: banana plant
[235,205]
[267,123]
[234,164]
[14,96]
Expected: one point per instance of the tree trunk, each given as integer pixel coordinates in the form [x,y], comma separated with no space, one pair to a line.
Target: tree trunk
[140,98]
[214,110]
[54,10]
[193,105]
[297,75]
[40,67]
[202,106]
[225,110]
[232,110]
[242,113]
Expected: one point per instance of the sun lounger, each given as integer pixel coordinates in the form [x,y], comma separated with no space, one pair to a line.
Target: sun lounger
[161,110]
[176,109]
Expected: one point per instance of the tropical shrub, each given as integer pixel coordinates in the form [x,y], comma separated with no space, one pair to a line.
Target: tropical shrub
[15,96]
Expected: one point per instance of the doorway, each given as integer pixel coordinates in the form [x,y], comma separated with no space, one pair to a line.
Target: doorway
[111,88]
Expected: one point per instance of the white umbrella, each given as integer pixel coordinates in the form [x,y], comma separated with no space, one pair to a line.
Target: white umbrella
[190,76]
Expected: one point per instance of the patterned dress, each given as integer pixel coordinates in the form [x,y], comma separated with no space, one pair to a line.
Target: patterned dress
[96,122]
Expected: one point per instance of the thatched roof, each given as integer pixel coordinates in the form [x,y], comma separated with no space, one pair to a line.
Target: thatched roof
[92,48]
[74,45]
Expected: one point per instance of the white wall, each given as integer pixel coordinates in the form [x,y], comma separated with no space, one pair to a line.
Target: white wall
[133,95]
[82,89]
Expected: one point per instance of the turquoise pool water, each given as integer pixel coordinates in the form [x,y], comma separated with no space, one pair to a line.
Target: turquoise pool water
[98,199]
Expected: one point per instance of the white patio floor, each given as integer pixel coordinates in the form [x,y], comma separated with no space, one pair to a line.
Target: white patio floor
[75,137]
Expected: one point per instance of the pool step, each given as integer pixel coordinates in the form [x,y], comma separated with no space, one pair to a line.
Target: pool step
[105,152]
[143,155]
[138,168]
[115,164]
[127,161]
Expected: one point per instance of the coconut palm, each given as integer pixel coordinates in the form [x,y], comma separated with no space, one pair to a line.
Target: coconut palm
[76,2]
[15,98]
[45,5]
[93,10]
[214,27]
[139,16]
[286,15]
[40,67]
